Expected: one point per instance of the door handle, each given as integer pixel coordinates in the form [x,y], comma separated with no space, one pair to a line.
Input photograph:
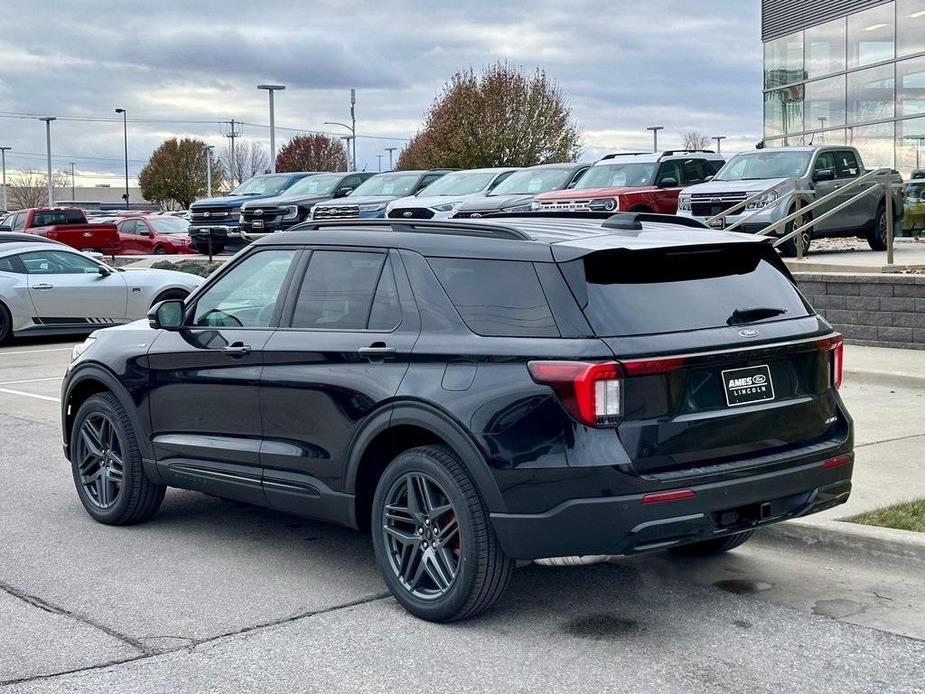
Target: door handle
[377,351]
[237,349]
[44,286]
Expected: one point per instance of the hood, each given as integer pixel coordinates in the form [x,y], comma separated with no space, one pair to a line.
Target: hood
[734,186]
[281,200]
[495,203]
[582,193]
[363,199]
[227,201]
[432,200]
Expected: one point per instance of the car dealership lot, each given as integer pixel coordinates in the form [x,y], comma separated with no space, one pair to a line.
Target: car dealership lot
[228,597]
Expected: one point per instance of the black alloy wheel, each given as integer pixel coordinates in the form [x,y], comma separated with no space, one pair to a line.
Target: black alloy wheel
[98,454]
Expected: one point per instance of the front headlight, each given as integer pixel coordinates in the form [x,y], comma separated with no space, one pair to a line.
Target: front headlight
[447,207]
[241,219]
[81,349]
[290,212]
[684,203]
[604,204]
[373,207]
[526,207]
[535,205]
[763,201]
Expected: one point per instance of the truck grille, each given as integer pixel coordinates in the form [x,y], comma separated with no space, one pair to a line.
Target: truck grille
[711,204]
[267,214]
[565,204]
[336,212]
[206,214]
[412,213]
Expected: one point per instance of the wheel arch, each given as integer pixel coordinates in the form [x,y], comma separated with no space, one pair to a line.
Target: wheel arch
[401,427]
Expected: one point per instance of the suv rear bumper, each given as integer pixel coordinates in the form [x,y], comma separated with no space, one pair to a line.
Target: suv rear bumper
[628,525]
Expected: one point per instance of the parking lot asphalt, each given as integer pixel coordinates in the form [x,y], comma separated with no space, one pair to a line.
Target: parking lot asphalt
[217,596]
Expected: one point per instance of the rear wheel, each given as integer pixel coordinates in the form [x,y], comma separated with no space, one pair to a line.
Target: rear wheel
[710,547]
[876,237]
[106,464]
[434,544]
[788,249]
[6,324]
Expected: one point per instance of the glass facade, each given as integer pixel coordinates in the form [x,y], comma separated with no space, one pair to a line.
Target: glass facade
[857,80]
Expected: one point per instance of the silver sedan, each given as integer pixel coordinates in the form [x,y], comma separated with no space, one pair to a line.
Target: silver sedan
[48,290]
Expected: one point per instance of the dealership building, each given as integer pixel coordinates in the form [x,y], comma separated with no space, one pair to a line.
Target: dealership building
[847,72]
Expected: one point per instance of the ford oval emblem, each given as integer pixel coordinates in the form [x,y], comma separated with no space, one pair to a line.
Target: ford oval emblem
[206,214]
[475,214]
[748,332]
[407,213]
[759,379]
[258,212]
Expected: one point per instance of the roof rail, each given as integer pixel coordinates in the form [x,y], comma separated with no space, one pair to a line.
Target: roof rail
[670,152]
[623,154]
[611,220]
[455,227]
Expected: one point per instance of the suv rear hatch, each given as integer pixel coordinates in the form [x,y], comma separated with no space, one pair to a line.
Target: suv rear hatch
[725,366]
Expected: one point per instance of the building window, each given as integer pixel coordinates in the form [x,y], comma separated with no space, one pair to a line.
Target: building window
[825,103]
[910,27]
[871,94]
[910,146]
[825,48]
[875,143]
[783,111]
[870,36]
[910,87]
[783,60]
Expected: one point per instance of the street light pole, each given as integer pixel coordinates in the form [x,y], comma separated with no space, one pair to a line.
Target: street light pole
[125,140]
[72,182]
[349,138]
[718,138]
[3,151]
[209,149]
[390,150]
[270,88]
[655,129]
[379,157]
[51,191]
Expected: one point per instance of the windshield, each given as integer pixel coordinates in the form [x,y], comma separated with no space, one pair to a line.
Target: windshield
[753,166]
[534,181]
[315,185]
[461,183]
[169,225]
[615,175]
[398,185]
[262,185]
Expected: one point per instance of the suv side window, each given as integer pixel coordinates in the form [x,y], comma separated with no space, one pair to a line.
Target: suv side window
[426,181]
[19,221]
[692,171]
[499,298]
[338,289]
[669,169]
[247,296]
[846,164]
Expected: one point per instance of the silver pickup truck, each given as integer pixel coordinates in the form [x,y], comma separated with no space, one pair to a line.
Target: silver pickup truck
[815,170]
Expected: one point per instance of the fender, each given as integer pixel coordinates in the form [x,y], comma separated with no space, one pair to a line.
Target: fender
[93,371]
[440,424]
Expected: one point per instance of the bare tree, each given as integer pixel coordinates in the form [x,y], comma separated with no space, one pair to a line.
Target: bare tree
[247,159]
[694,139]
[29,187]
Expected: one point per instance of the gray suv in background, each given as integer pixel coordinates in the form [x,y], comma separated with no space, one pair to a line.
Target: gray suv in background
[815,170]
[516,193]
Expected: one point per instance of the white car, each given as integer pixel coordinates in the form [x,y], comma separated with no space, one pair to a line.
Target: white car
[443,197]
[49,290]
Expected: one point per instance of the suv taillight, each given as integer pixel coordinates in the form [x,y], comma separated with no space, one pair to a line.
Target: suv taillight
[593,392]
[835,345]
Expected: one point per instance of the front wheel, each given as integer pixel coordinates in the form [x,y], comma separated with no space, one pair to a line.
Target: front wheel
[788,249]
[876,237]
[160,250]
[6,324]
[433,541]
[708,548]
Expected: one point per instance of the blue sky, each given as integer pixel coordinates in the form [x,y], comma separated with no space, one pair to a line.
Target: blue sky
[179,68]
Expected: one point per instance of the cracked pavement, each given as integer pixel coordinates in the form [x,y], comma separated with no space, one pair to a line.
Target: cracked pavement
[224,597]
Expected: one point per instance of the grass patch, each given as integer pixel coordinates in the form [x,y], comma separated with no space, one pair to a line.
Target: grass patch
[909,515]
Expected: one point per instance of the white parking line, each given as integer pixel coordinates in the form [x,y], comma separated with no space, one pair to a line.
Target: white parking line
[28,395]
[37,351]
[31,380]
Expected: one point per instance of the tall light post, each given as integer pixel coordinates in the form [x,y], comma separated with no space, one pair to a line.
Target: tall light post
[353,124]
[3,151]
[209,149]
[390,150]
[718,139]
[51,190]
[125,142]
[352,160]
[270,88]
[379,157]
[655,129]
[72,181]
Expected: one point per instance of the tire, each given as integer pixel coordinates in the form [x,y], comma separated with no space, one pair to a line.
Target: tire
[103,442]
[876,237]
[708,548]
[413,564]
[6,324]
[170,294]
[159,250]
[788,249]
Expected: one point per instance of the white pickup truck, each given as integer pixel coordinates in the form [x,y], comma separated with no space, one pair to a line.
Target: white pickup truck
[815,170]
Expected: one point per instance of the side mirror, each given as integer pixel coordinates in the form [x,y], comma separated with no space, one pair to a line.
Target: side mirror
[104,271]
[668,182]
[571,185]
[343,192]
[166,315]
[824,175]
[708,179]
[147,233]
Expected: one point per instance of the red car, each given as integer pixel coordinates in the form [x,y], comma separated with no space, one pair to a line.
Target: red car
[638,182]
[153,235]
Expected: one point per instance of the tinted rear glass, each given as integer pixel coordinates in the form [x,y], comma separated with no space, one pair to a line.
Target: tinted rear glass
[497,297]
[660,291]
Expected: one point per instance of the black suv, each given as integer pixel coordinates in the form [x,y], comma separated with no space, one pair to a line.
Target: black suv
[477,393]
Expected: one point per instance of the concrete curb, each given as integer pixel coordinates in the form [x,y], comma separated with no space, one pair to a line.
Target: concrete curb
[849,538]
[893,378]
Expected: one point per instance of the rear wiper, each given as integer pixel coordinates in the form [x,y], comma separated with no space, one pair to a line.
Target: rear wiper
[750,315]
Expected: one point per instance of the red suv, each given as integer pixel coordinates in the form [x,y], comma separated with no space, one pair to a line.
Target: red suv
[155,235]
[635,182]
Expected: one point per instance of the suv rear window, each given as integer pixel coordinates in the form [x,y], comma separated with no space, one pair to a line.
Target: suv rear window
[498,298]
[660,291]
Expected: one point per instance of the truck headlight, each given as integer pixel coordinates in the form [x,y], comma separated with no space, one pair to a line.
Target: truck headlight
[372,207]
[447,207]
[80,349]
[763,201]
[684,203]
[526,207]
[240,219]
[291,212]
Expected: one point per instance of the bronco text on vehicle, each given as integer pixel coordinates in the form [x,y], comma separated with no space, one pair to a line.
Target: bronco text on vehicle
[477,393]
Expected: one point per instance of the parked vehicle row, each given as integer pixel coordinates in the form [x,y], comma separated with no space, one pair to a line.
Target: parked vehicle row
[68,225]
